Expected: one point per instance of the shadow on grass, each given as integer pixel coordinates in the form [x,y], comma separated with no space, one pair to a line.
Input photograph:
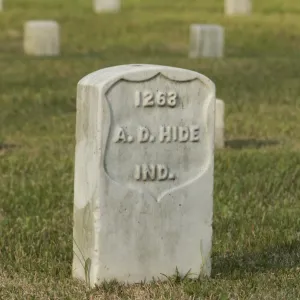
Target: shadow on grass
[282,256]
[6,147]
[250,143]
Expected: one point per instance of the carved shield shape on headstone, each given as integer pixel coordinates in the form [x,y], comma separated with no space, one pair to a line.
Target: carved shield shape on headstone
[160,132]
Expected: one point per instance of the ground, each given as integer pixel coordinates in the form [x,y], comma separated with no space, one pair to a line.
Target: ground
[256,242]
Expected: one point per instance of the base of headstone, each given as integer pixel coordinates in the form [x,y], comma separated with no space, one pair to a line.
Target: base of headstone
[107,6]
[238,7]
[144,162]
[219,124]
[206,41]
[41,38]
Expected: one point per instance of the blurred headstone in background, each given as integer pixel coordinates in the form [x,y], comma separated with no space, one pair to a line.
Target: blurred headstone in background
[106,6]
[238,7]
[42,38]
[206,40]
[219,124]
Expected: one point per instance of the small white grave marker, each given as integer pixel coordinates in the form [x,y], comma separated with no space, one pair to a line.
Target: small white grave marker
[238,7]
[41,38]
[143,199]
[219,124]
[107,5]
[206,40]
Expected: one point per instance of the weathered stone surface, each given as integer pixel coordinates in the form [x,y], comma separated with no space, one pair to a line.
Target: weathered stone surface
[143,198]
[41,38]
[107,5]
[238,7]
[206,40]
[219,124]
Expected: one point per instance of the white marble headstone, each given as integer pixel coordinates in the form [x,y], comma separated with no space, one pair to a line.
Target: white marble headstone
[42,38]
[219,124]
[107,6]
[206,40]
[143,198]
[238,7]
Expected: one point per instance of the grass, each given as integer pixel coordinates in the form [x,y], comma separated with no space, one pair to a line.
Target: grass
[256,246]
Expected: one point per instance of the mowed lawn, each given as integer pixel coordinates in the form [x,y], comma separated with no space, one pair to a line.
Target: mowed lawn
[256,244]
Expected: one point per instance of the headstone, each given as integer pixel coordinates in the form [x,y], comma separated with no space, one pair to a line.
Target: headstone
[41,38]
[219,124]
[238,7]
[143,198]
[206,41]
[107,6]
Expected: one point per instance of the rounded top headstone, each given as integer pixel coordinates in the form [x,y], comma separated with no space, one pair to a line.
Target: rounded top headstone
[41,23]
[143,173]
[142,72]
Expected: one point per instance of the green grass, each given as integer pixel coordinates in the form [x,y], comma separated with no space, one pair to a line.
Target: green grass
[256,246]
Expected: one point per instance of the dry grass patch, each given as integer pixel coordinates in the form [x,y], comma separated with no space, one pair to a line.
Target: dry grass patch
[32,287]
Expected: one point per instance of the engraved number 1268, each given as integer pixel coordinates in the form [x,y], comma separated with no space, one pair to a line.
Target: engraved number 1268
[149,99]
